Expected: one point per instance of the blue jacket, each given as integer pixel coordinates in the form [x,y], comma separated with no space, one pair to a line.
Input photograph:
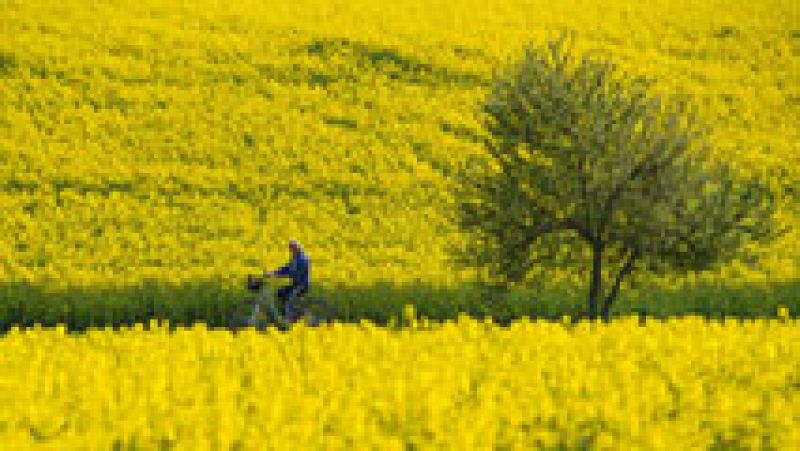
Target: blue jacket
[298,269]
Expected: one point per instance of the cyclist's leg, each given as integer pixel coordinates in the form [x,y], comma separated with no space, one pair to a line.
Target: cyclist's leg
[294,293]
[282,295]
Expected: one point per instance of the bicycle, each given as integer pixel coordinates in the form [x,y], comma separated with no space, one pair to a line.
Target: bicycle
[313,310]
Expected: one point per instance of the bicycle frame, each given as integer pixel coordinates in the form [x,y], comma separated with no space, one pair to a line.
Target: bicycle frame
[265,302]
[266,295]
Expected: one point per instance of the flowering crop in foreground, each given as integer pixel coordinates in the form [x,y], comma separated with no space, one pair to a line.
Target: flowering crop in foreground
[678,384]
[167,140]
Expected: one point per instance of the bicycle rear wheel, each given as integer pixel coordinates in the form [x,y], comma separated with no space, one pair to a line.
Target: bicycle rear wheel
[317,311]
[238,319]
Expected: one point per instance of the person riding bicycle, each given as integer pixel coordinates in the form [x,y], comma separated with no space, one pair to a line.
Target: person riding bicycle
[298,269]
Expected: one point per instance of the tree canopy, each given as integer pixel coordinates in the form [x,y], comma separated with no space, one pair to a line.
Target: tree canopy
[588,166]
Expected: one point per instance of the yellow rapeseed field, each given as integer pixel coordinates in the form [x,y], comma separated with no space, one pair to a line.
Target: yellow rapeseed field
[179,141]
[680,384]
[185,140]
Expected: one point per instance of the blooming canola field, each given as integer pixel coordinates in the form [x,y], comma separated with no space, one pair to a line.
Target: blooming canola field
[185,140]
[678,384]
[180,142]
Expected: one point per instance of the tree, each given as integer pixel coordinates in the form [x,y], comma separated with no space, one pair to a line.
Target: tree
[586,166]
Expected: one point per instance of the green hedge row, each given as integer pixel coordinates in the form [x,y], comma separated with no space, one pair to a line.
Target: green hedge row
[212,302]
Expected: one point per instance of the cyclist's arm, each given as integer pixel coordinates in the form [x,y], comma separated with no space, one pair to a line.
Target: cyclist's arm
[282,271]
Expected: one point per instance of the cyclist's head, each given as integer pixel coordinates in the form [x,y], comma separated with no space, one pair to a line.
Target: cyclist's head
[294,247]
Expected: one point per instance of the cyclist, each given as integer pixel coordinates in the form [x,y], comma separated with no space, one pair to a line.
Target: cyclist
[298,269]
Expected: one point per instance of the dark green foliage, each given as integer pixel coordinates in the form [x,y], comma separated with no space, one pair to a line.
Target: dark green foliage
[340,122]
[7,63]
[586,168]
[212,301]
[388,61]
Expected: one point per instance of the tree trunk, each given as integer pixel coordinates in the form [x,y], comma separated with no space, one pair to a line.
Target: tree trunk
[595,287]
[626,269]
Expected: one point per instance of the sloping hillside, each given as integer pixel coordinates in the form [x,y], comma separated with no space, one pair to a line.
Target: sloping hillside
[144,139]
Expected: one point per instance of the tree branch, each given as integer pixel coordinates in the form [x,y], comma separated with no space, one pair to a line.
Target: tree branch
[621,186]
[651,164]
[539,230]
[583,232]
